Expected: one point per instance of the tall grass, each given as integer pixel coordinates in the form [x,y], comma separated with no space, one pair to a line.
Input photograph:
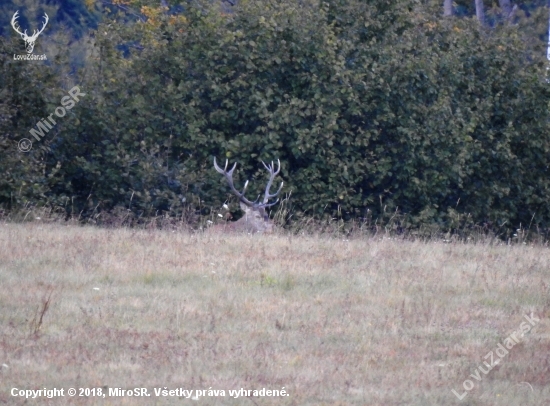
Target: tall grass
[360,320]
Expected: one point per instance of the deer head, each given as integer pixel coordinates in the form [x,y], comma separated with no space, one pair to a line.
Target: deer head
[29,41]
[255,219]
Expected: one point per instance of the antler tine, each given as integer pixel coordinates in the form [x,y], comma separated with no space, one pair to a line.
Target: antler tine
[272,174]
[271,167]
[224,170]
[229,177]
[271,204]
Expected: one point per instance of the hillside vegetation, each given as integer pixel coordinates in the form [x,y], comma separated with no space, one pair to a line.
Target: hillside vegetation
[376,109]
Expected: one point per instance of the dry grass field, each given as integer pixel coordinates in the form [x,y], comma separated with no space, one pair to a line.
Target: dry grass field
[366,321]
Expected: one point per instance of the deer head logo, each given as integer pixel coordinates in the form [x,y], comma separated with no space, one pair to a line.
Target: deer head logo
[29,41]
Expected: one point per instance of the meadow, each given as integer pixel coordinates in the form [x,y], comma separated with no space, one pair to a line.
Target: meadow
[370,320]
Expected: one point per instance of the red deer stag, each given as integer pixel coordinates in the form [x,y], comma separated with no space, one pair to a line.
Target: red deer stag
[255,219]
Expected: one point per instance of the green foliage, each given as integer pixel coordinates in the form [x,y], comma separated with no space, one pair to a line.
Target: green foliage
[372,108]
[24,99]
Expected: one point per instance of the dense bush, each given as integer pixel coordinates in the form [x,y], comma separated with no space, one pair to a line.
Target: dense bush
[371,108]
[26,97]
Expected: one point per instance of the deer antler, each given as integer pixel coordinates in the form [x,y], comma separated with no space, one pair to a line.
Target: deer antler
[46,19]
[229,177]
[16,26]
[272,173]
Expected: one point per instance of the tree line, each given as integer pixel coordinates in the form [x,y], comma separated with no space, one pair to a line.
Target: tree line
[375,109]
